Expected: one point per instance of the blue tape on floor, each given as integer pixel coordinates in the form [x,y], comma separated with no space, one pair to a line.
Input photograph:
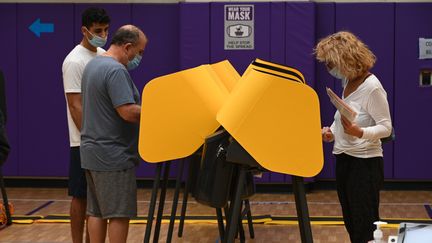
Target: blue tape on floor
[39,208]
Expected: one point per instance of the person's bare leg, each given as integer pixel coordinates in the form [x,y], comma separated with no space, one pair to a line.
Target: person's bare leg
[118,229]
[77,217]
[87,236]
[97,228]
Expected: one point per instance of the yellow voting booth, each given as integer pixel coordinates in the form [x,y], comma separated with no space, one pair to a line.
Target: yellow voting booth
[270,113]
[275,117]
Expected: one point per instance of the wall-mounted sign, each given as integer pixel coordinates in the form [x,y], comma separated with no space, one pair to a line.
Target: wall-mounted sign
[425,48]
[239,27]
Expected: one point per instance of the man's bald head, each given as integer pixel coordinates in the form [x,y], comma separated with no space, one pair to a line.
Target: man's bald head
[128,34]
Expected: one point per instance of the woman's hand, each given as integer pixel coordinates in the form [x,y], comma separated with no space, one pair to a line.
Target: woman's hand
[351,128]
[327,135]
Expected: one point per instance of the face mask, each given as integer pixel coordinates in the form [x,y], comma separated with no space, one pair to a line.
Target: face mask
[335,73]
[97,41]
[132,64]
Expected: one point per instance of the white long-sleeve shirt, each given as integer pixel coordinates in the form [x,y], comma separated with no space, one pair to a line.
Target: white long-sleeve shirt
[369,100]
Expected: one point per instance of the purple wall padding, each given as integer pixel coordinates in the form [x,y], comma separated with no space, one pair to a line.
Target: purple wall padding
[43,147]
[277,55]
[240,58]
[9,68]
[194,34]
[300,40]
[194,40]
[378,34]
[120,14]
[325,25]
[412,116]
[277,32]
[161,26]
[161,56]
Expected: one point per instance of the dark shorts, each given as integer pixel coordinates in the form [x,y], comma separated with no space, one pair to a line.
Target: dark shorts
[77,178]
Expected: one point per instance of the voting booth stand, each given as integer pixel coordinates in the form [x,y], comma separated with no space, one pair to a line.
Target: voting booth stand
[266,120]
[217,182]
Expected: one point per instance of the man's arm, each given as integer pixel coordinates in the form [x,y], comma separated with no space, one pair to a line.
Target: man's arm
[75,108]
[129,112]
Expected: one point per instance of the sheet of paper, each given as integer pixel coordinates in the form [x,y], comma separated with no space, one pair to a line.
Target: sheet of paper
[343,108]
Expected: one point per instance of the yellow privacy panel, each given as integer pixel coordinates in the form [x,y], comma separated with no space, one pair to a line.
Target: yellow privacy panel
[276,69]
[178,111]
[226,73]
[277,121]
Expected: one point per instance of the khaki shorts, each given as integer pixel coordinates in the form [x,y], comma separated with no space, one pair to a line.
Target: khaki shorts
[111,194]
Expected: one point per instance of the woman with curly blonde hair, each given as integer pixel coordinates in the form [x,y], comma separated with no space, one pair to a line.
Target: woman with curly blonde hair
[357,146]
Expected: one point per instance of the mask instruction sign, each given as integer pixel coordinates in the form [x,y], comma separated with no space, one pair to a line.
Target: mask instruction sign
[239,27]
[425,48]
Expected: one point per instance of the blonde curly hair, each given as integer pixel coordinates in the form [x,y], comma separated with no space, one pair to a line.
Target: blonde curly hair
[346,52]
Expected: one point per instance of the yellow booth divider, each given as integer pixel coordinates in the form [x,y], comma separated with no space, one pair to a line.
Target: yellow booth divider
[277,121]
[226,73]
[269,111]
[276,69]
[179,110]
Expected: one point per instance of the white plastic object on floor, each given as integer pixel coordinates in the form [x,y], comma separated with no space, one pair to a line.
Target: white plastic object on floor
[378,234]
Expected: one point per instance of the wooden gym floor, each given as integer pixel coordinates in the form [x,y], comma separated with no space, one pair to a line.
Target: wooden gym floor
[47,201]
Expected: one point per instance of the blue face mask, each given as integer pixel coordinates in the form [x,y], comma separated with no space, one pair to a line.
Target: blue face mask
[97,41]
[134,63]
[335,73]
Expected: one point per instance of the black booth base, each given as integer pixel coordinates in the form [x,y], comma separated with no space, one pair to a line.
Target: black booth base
[390,185]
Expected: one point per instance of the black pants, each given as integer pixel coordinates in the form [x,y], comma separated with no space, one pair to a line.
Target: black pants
[358,183]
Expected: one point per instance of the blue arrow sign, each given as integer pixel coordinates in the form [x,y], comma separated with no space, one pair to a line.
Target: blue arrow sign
[37,27]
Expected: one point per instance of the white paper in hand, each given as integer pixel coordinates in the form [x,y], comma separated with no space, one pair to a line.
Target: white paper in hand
[343,108]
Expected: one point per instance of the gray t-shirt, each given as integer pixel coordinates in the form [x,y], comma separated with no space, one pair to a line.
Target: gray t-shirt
[108,143]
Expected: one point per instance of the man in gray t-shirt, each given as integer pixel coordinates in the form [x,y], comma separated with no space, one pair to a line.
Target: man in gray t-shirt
[109,135]
[109,142]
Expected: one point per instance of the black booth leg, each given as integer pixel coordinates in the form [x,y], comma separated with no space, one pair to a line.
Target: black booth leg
[5,199]
[185,200]
[240,225]
[302,210]
[235,208]
[175,202]
[226,211]
[164,186]
[249,218]
[220,223]
[152,203]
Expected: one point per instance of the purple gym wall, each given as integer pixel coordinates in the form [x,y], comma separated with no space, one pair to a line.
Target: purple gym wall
[43,144]
[374,24]
[412,104]
[299,41]
[8,65]
[325,25]
[160,22]
[277,54]
[194,34]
